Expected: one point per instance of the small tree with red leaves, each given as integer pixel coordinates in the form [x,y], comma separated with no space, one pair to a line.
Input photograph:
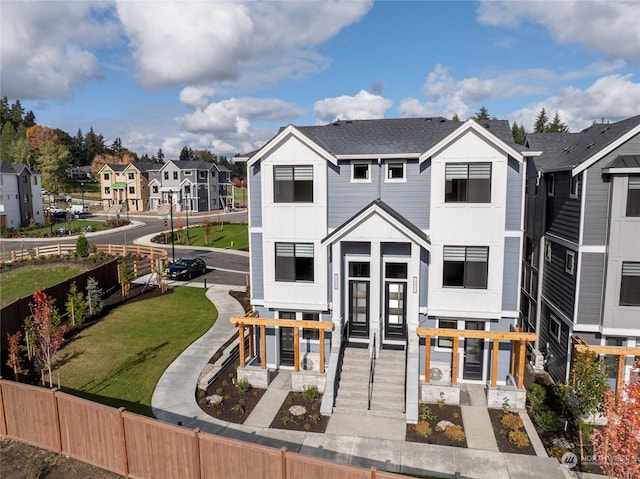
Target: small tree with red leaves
[14,361]
[207,230]
[617,445]
[45,334]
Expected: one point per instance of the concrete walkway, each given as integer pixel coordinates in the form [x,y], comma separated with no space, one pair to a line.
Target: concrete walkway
[174,402]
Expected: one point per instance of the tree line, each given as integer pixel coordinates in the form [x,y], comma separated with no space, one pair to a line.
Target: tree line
[52,151]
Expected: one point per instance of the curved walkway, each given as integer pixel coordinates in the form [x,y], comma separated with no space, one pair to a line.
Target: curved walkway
[174,401]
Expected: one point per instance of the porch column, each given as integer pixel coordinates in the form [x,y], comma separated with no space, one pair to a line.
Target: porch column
[241,344]
[427,358]
[620,377]
[296,348]
[263,346]
[322,351]
[521,357]
[454,361]
[494,362]
[376,292]
[251,348]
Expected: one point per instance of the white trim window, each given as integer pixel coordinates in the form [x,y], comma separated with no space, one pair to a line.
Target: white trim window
[294,262]
[570,262]
[548,252]
[467,183]
[361,172]
[293,184]
[630,284]
[551,184]
[311,334]
[466,267]
[394,172]
[633,196]
[446,342]
[555,328]
[576,183]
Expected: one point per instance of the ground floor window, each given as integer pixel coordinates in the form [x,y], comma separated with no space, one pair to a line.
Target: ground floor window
[446,341]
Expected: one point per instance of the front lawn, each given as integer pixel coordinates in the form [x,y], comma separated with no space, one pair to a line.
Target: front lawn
[119,360]
[232,236]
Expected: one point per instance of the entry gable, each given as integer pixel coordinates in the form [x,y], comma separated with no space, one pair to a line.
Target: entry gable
[377,216]
[282,137]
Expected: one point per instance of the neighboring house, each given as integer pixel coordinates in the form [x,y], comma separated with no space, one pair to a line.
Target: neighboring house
[581,269]
[191,185]
[384,226]
[126,185]
[79,173]
[20,196]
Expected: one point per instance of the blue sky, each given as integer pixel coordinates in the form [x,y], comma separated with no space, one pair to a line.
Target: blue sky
[225,76]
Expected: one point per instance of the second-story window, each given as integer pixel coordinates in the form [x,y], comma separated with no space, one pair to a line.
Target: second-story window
[570,262]
[395,172]
[154,189]
[175,175]
[630,284]
[294,262]
[106,177]
[166,175]
[293,184]
[467,183]
[465,266]
[360,172]
[202,175]
[131,176]
[633,196]
[575,187]
[132,190]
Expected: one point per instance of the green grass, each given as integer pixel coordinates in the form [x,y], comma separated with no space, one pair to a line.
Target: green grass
[236,233]
[240,196]
[73,225]
[119,360]
[25,280]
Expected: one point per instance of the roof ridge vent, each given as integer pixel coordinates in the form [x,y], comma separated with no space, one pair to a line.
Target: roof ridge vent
[604,130]
[591,145]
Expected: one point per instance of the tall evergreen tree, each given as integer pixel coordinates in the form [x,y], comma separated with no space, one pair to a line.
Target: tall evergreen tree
[455,118]
[186,154]
[557,125]
[94,145]
[53,163]
[541,122]
[160,155]
[483,114]
[519,133]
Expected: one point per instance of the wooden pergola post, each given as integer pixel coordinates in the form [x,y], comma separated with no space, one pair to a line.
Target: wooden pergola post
[322,351]
[263,346]
[241,345]
[296,348]
[427,359]
[454,361]
[251,347]
[521,358]
[620,377]
[494,362]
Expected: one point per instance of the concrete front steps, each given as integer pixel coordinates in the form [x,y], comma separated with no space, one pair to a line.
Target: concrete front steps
[387,398]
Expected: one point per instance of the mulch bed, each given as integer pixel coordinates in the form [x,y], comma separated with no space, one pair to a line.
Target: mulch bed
[446,412]
[502,438]
[311,421]
[235,406]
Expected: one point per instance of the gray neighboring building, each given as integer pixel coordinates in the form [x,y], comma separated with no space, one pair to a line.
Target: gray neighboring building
[581,265]
[20,196]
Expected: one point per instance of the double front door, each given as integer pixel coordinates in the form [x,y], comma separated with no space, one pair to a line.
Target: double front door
[393,299]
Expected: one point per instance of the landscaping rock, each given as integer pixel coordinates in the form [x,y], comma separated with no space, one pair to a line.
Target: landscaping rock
[298,410]
[442,425]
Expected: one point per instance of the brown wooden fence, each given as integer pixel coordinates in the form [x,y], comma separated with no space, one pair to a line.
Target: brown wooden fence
[140,447]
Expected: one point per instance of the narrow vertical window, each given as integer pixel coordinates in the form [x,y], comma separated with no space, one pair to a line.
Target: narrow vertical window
[633,196]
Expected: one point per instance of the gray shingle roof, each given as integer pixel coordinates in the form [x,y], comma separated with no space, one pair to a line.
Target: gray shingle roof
[12,168]
[625,161]
[193,164]
[568,150]
[393,136]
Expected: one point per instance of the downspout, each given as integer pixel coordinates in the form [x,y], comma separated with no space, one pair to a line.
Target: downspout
[380,178]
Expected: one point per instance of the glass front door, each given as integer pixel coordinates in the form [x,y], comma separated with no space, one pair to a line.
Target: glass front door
[395,310]
[286,347]
[473,354]
[359,308]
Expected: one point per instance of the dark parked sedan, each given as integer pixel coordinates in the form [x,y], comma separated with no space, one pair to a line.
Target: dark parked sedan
[187,268]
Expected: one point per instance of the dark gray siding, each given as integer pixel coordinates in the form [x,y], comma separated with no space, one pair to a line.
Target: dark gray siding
[410,198]
[591,288]
[563,212]
[559,286]
[514,195]
[510,283]
[255,206]
[424,278]
[555,351]
[596,207]
[257,270]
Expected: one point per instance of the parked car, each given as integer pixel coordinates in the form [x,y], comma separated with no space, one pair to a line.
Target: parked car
[79,210]
[54,210]
[187,268]
[66,197]
[45,192]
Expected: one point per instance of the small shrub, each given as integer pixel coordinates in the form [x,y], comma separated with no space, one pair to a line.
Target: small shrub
[519,438]
[238,408]
[455,432]
[547,421]
[255,393]
[231,375]
[225,382]
[310,393]
[227,397]
[289,400]
[314,407]
[315,418]
[423,429]
[82,246]
[557,452]
[506,407]
[242,385]
[307,426]
[219,391]
[242,401]
[287,417]
[201,395]
[511,421]
[441,401]
[536,395]
[426,414]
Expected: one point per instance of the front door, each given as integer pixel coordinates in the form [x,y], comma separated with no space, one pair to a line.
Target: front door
[473,353]
[286,346]
[395,301]
[358,302]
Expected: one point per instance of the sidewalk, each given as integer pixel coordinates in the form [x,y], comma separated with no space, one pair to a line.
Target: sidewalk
[174,402]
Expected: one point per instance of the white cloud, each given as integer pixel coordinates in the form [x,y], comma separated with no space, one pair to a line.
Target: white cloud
[45,46]
[363,106]
[196,96]
[612,97]
[607,26]
[177,43]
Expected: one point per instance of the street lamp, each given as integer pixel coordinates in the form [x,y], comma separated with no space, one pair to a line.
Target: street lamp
[82,186]
[188,208]
[173,248]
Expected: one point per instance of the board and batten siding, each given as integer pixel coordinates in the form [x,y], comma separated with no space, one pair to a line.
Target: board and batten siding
[558,285]
[257,268]
[513,215]
[255,196]
[409,198]
[592,267]
[555,350]
[510,281]
[563,212]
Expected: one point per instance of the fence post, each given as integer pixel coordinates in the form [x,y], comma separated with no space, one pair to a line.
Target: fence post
[373,472]
[57,419]
[196,449]
[37,250]
[283,461]
[3,417]
[59,250]
[123,443]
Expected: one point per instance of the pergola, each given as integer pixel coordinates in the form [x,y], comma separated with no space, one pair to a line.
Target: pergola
[251,322]
[620,351]
[517,338]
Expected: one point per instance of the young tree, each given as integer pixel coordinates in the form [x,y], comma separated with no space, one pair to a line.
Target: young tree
[94,297]
[82,246]
[519,133]
[125,276]
[160,155]
[585,393]
[483,114]
[179,226]
[557,125]
[76,305]
[542,120]
[207,230]
[53,163]
[44,331]
[14,360]
[617,445]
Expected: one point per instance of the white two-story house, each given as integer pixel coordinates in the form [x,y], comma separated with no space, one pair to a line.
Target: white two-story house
[382,226]
[20,196]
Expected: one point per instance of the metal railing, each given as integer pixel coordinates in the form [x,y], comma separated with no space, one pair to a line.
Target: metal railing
[343,345]
[406,361]
[372,368]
